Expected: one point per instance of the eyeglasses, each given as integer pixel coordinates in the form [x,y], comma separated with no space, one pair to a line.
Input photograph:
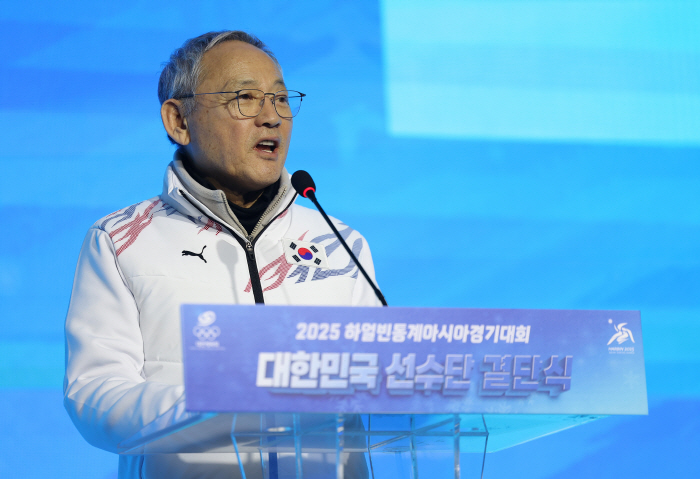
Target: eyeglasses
[250,102]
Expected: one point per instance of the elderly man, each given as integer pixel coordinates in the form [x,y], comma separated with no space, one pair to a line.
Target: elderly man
[220,232]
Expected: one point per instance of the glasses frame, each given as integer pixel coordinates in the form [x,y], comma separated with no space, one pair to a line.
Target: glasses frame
[262,103]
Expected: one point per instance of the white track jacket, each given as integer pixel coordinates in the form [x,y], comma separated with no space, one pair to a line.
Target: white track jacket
[123,343]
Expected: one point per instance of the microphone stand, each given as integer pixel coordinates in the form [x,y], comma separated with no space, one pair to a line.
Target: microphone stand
[311,194]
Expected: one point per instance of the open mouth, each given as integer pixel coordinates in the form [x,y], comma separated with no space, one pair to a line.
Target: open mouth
[268,146]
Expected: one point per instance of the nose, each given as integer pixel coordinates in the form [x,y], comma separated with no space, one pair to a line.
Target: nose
[268,116]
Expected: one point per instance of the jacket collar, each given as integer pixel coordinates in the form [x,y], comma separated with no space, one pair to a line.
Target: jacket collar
[190,198]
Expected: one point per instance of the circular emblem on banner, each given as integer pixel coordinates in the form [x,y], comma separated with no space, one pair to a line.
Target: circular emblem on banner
[206,318]
[305,253]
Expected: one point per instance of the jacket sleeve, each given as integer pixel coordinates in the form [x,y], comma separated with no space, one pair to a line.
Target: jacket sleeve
[363,294]
[105,393]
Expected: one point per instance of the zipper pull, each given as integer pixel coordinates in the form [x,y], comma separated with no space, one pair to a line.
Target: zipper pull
[249,250]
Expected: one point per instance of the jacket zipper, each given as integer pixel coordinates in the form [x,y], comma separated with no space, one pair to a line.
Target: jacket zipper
[251,236]
[253,272]
[248,245]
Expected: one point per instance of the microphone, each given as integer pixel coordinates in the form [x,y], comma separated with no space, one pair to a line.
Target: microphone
[305,186]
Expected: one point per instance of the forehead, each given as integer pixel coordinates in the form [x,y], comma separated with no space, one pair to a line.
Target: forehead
[236,63]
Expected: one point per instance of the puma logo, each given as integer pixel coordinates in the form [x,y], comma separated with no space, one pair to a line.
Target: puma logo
[190,253]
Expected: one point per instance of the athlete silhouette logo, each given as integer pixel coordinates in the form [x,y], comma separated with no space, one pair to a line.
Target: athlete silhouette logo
[190,253]
[623,334]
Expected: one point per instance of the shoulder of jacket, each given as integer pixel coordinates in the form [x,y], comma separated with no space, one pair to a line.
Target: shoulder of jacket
[138,212]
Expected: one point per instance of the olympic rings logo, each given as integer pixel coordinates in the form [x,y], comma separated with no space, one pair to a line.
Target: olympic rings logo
[206,333]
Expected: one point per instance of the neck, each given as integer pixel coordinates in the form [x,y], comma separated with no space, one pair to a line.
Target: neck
[244,200]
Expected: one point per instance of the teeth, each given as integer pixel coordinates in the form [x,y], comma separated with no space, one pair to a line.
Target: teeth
[267,143]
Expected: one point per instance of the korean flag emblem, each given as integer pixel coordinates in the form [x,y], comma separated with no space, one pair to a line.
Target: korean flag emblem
[304,253]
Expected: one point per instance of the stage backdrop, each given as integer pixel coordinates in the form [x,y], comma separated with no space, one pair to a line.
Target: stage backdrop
[509,154]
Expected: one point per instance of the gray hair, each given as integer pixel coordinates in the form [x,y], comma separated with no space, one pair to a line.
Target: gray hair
[181,75]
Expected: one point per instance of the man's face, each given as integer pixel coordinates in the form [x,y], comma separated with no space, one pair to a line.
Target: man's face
[224,145]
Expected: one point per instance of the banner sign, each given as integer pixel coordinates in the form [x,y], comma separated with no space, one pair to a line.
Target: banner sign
[412,360]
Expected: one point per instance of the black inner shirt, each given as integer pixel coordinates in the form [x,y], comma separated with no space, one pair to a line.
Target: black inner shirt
[249,217]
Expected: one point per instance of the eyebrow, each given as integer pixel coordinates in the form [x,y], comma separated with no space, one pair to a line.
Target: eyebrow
[251,82]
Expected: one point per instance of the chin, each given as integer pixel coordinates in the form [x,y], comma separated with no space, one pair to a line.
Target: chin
[269,177]
[264,181]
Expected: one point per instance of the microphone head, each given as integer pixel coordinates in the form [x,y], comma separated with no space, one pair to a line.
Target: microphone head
[303,183]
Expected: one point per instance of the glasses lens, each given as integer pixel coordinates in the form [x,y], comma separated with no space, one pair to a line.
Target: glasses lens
[250,102]
[287,103]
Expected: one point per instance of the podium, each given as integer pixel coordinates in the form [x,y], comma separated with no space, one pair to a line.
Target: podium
[307,392]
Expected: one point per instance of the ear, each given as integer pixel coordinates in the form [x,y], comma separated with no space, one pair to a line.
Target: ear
[174,122]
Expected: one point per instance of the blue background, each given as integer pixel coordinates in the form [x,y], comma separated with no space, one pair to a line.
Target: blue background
[539,154]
